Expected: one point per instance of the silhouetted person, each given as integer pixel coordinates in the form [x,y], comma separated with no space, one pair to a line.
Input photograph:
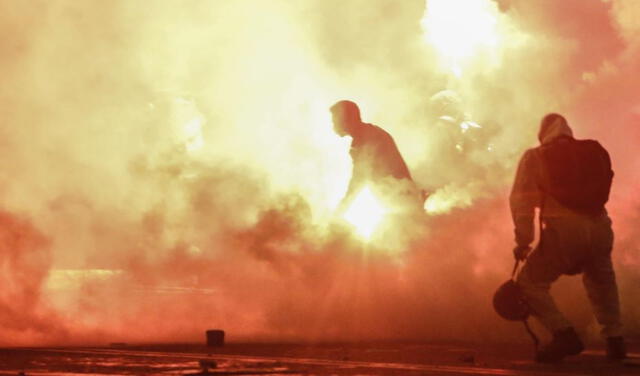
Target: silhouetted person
[454,127]
[457,142]
[376,159]
[569,180]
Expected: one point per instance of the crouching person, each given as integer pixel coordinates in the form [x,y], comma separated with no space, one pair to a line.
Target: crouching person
[569,181]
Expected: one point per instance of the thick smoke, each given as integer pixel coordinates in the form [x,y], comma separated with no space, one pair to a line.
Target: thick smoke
[170,168]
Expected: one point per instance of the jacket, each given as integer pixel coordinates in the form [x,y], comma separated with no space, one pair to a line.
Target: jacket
[526,194]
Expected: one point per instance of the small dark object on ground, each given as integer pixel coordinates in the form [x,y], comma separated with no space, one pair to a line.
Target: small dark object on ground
[205,364]
[215,337]
[468,358]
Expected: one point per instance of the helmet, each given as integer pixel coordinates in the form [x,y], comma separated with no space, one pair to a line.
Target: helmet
[509,302]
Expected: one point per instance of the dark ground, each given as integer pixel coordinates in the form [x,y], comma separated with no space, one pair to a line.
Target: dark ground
[297,359]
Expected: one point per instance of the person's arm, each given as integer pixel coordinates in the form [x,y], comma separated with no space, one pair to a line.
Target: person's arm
[525,197]
[356,183]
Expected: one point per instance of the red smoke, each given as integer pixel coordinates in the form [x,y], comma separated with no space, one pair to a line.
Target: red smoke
[114,230]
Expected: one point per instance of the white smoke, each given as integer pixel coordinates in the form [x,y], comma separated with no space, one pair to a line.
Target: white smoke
[177,162]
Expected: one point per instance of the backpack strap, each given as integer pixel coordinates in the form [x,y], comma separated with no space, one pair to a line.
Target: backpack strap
[515,269]
[534,337]
[543,193]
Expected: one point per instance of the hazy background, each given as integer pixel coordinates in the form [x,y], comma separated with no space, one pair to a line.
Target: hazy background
[169,167]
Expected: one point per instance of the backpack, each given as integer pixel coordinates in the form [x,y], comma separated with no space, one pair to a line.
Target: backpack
[578,174]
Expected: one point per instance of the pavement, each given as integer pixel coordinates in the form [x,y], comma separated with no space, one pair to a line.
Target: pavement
[304,359]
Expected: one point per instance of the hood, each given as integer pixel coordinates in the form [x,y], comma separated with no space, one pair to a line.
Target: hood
[552,127]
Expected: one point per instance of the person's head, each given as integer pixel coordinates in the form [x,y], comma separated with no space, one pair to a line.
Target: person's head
[446,104]
[345,115]
[553,126]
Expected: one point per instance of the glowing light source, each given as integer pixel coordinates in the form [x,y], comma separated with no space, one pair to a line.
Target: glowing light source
[459,29]
[365,213]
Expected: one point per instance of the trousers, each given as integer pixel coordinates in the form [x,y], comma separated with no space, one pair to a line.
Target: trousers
[573,245]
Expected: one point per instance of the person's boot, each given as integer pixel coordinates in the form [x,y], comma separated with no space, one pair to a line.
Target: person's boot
[565,342]
[616,350]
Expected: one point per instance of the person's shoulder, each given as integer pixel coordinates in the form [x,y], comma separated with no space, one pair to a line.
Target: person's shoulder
[595,148]
[373,128]
[377,131]
[530,154]
[591,143]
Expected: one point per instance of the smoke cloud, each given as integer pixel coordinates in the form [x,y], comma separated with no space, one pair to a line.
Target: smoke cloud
[170,168]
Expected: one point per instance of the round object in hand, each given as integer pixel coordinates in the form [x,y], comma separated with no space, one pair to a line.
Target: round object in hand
[509,302]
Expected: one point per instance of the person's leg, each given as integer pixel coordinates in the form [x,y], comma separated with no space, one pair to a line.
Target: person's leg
[543,267]
[600,283]
[535,287]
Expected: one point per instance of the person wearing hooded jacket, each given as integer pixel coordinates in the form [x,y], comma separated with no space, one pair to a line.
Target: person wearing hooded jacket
[571,243]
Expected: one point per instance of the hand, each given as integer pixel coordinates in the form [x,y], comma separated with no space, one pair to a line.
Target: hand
[520,252]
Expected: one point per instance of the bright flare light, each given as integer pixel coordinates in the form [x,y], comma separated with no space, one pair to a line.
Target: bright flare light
[365,213]
[458,29]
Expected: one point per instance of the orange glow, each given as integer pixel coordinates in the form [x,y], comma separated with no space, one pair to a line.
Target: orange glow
[174,168]
[365,213]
